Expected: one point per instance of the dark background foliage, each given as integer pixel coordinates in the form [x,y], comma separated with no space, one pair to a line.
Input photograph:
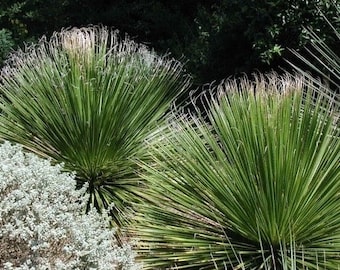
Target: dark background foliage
[217,39]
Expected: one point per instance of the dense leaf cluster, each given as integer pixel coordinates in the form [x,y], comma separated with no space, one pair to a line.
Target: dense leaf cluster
[42,220]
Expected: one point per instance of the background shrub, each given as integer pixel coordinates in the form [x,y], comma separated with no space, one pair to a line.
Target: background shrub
[218,38]
[6,44]
[43,223]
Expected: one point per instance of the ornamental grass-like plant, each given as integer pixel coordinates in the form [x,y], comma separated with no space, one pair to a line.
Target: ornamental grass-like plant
[43,224]
[88,99]
[252,182]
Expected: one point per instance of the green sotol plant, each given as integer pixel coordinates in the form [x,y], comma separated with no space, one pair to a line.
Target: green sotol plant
[253,182]
[89,99]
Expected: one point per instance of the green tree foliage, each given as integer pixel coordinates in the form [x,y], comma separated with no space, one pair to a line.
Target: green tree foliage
[221,38]
[6,44]
[26,21]
[217,38]
[32,19]
[12,17]
[167,26]
[240,36]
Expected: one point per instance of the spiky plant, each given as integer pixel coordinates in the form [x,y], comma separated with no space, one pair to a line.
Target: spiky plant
[255,184]
[88,99]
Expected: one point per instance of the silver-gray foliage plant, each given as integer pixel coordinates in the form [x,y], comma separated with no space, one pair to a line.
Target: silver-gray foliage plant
[43,224]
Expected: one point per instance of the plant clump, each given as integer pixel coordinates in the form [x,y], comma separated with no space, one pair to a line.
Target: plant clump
[252,182]
[43,224]
[89,98]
